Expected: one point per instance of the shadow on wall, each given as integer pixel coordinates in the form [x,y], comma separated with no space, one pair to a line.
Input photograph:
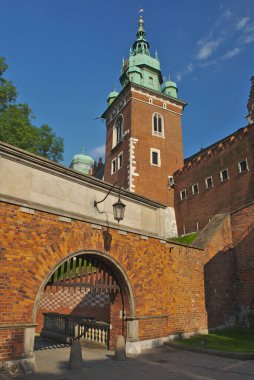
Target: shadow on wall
[229,284]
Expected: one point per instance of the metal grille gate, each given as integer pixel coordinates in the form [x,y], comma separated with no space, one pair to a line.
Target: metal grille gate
[92,274]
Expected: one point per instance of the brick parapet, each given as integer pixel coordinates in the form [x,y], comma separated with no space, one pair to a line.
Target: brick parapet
[195,212]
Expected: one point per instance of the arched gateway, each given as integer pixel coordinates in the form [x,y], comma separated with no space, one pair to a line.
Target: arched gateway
[86,295]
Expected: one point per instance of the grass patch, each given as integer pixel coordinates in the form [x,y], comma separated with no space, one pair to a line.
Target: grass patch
[187,239]
[231,339]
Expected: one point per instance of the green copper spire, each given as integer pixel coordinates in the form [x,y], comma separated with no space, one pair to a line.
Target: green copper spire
[141,68]
[141,45]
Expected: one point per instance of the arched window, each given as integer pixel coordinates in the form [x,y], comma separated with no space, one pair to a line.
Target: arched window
[158,127]
[118,131]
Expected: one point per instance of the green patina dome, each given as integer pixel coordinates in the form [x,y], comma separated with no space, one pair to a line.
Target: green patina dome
[78,158]
[111,96]
[82,163]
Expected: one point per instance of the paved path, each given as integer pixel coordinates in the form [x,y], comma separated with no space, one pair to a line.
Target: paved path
[156,364]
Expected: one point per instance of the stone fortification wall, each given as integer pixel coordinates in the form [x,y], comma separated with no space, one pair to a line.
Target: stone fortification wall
[197,209]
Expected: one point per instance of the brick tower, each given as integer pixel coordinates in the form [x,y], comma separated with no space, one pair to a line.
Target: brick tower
[144,136]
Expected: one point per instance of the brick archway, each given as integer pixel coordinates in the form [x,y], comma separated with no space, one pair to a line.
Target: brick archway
[102,292]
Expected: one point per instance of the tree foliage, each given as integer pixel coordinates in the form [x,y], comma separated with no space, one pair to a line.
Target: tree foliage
[16,125]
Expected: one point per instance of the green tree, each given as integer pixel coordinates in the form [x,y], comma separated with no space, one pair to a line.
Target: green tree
[16,125]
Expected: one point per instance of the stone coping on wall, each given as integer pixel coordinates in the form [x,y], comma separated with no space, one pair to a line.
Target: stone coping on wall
[18,326]
[40,163]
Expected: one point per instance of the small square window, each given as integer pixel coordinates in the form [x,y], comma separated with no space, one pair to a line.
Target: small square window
[183,194]
[224,175]
[195,189]
[209,182]
[243,166]
[120,160]
[155,158]
[150,100]
[113,166]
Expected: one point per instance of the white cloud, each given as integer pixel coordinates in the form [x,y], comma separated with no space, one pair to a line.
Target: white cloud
[242,23]
[231,53]
[228,13]
[190,67]
[207,49]
[179,77]
[99,151]
[208,63]
[248,39]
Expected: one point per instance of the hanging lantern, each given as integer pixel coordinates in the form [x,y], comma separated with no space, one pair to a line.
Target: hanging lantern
[118,210]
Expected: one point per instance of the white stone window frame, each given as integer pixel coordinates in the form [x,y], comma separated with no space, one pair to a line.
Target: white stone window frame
[240,167]
[118,160]
[192,188]
[113,166]
[164,106]
[153,150]
[150,101]
[115,142]
[183,194]
[206,182]
[221,175]
[156,133]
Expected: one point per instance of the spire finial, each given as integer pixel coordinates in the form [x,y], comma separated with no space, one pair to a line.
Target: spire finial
[140,20]
[83,150]
[156,54]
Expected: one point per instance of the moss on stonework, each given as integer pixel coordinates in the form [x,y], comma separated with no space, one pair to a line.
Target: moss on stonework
[187,239]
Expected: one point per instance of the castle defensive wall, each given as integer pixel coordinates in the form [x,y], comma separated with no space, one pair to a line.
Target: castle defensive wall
[60,257]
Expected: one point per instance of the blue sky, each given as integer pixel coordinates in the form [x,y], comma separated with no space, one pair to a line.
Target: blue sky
[65,56]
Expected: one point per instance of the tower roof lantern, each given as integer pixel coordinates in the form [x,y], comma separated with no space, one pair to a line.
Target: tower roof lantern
[141,45]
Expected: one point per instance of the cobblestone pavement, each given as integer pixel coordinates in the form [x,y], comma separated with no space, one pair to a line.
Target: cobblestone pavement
[155,364]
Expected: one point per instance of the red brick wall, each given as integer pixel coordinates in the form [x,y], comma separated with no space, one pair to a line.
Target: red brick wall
[137,115]
[229,268]
[164,281]
[11,343]
[152,181]
[223,196]
[243,237]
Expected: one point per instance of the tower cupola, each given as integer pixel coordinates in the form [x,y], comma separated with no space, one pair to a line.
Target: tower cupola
[170,88]
[141,46]
[82,163]
[111,97]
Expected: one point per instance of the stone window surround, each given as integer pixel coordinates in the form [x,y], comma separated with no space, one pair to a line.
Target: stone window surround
[240,170]
[183,194]
[113,166]
[224,175]
[115,138]
[119,163]
[206,182]
[154,150]
[193,187]
[156,133]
